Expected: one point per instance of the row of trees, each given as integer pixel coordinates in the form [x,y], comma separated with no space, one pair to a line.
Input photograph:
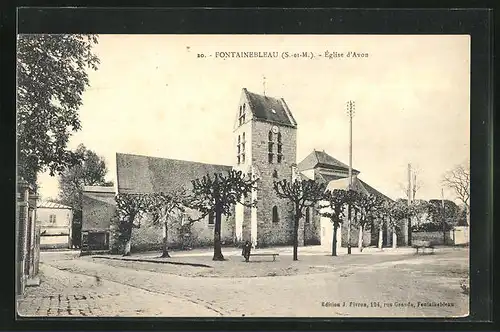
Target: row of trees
[217,194]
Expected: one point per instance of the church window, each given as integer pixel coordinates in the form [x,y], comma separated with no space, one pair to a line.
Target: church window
[270,148]
[241,118]
[238,155]
[275,214]
[280,147]
[308,215]
[275,174]
[241,149]
[211,218]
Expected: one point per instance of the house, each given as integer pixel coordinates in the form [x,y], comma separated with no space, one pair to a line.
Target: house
[322,167]
[264,145]
[98,207]
[55,225]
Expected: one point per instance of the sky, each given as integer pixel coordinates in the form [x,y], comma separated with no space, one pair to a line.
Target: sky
[154,95]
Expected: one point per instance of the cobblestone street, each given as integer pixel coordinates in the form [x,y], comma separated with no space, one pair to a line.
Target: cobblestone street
[400,286]
[63,293]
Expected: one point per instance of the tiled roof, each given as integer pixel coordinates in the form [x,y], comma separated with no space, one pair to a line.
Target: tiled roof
[328,177]
[143,174]
[51,205]
[270,109]
[374,191]
[344,185]
[358,185]
[322,159]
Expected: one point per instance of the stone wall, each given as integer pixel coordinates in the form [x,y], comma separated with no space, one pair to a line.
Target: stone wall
[150,236]
[269,232]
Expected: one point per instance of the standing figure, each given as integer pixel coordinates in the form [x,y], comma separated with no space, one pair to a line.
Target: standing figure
[246,250]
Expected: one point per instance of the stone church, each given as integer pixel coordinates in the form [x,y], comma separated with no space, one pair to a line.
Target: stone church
[265,145]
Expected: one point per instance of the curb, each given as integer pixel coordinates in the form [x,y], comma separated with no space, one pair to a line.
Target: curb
[152,261]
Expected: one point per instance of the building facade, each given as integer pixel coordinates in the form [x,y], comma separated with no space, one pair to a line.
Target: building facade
[56,225]
[265,146]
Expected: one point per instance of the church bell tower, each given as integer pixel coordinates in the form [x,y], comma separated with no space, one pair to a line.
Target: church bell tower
[265,144]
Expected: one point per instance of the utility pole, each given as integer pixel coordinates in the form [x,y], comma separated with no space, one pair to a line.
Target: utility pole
[350,112]
[410,191]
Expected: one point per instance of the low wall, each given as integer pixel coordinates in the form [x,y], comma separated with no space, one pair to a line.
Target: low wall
[54,241]
[435,238]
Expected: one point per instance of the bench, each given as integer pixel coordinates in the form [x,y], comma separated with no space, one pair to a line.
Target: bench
[265,254]
[423,245]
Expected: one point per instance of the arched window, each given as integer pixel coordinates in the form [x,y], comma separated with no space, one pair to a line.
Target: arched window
[211,218]
[275,214]
[241,117]
[270,152]
[275,174]
[239,149]
[280,146]
[243,148]
[308,215]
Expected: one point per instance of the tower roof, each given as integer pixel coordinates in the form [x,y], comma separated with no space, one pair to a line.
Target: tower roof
[270,109]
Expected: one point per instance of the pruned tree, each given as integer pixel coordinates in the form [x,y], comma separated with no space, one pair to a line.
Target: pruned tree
[443,213]
[163,207]
[393,212]
[334,209]
[458,179]
[51,78]
[301,194]
[368,206]
[217,195]
[129,210]
[90,171]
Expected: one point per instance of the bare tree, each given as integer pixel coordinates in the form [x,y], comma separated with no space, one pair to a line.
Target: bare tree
[129,208]
[458,179]
[336,201]
[368,206]
[301,194]
[217,195]
[163,206]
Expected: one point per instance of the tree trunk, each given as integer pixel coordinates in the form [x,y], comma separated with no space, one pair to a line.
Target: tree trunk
[394,237]
[349,216]
[334,240]
[360,238]
[296,234]
[409,231]
[164,253]
[467,213]
[380,235]
[128,245]
[128,242]
[217,245]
